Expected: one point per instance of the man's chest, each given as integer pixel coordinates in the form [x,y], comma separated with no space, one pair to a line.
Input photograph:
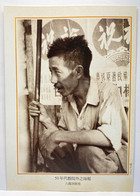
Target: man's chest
[86,120]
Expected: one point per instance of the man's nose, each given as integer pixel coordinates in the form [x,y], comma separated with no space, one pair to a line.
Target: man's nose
[53,78]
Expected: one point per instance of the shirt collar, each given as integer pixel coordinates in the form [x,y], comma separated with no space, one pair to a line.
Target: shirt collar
[92,95]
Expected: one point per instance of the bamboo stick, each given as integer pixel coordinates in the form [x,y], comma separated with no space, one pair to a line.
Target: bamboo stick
[37,94]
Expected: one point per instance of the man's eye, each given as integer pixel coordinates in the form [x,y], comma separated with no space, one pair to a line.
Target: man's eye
[57,72]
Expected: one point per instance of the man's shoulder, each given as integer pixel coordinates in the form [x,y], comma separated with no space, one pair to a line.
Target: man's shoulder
[104,86]
[107,89]
[107,86]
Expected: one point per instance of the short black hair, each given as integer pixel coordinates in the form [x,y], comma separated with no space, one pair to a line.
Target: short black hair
[72,49]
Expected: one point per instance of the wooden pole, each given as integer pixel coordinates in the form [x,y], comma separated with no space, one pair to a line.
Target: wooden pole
[37,94]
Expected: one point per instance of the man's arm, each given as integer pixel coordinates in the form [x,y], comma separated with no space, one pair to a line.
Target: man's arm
[85,137]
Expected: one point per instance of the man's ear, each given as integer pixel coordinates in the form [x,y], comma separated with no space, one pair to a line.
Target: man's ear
[79,71]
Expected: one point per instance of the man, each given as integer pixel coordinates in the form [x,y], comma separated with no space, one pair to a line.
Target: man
[93,125]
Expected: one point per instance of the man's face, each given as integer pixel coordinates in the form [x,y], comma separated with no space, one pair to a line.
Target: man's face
[63,77]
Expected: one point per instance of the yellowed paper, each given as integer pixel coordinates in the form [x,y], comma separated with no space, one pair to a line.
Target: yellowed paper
[111,36]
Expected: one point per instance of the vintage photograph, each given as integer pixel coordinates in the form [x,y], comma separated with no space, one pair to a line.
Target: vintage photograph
[70,98]
[73,77]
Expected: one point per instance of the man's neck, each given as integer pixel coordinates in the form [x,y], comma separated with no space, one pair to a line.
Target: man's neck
[80,93]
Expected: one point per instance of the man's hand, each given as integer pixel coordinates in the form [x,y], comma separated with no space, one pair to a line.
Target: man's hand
[38,109]
[49,146]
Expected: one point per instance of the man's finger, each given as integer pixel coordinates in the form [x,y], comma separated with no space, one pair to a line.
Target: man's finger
[36,103]
[49,156]
[35,111]
[33,107]
[34,114]
[42,147]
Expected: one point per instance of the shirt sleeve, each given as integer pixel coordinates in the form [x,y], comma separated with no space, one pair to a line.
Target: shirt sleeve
[110,120]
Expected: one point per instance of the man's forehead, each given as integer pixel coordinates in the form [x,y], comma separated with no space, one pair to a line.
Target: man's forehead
[57,61]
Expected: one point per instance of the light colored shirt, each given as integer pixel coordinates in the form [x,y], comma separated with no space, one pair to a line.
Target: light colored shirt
[103,111]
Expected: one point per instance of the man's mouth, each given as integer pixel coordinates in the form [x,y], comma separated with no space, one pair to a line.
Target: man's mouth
[59,89]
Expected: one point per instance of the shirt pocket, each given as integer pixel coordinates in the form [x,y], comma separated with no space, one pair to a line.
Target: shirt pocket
[91,117]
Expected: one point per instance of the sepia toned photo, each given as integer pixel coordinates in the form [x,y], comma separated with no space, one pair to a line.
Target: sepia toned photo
[73,98]
[79,105]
